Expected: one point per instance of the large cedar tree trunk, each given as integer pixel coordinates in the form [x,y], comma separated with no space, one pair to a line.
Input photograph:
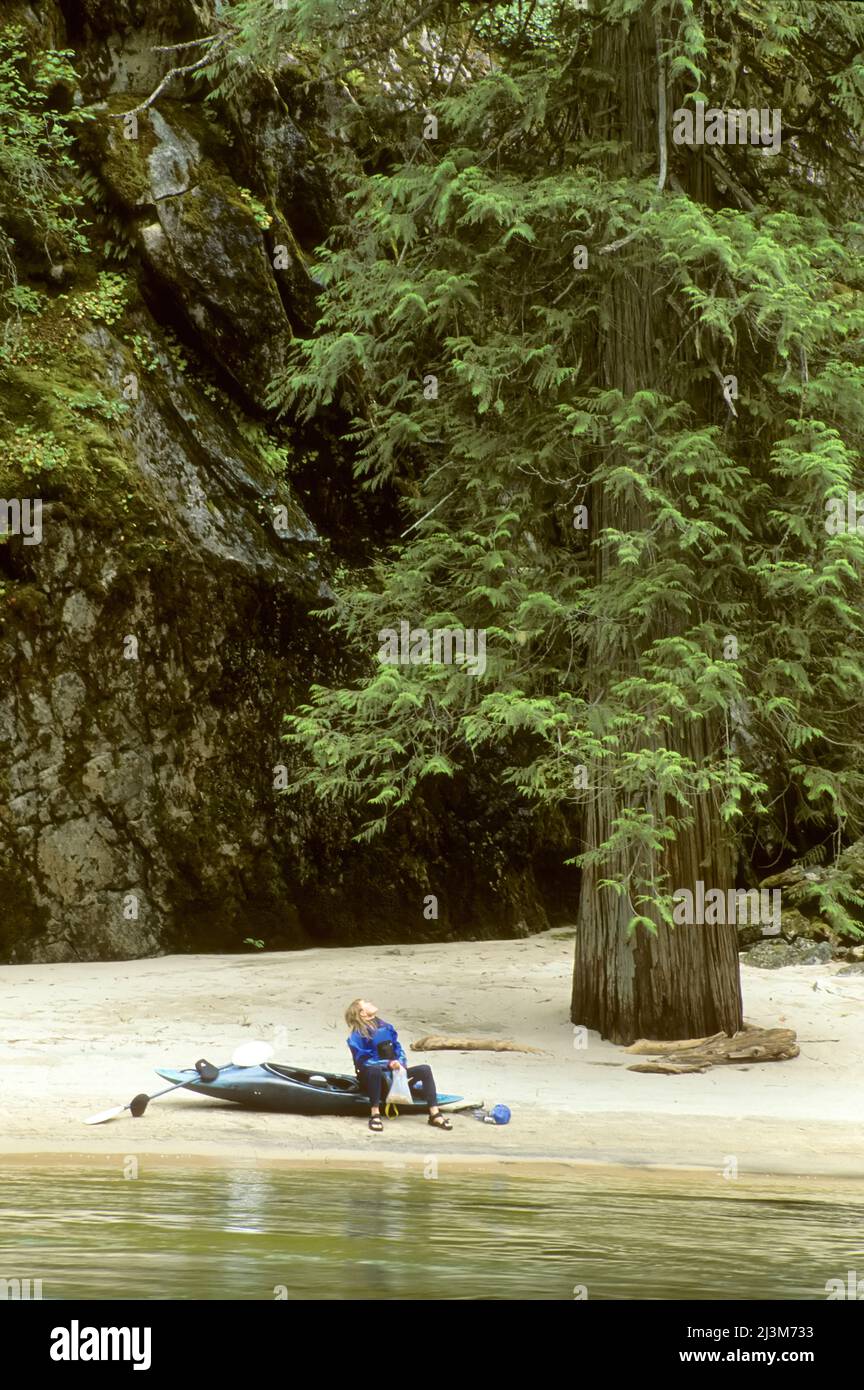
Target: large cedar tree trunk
[684,981]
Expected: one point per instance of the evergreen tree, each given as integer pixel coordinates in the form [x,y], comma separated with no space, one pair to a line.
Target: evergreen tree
[617,383]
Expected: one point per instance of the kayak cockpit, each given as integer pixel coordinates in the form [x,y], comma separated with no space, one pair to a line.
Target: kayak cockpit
[318,1080]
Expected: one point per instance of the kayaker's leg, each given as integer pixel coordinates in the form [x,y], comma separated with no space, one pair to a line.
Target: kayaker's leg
[430,1095]
[424,1075]
[371,1080]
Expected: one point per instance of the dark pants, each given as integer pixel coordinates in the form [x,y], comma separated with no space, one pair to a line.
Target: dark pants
[372,1082]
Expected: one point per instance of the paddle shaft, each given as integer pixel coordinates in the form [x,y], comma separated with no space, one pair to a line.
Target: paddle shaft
[207,1073]
[178,1084]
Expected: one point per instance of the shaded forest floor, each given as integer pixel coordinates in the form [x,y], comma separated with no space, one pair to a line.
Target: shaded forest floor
[78,1038]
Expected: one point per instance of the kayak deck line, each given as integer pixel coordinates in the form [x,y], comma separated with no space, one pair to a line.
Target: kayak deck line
[288,1090]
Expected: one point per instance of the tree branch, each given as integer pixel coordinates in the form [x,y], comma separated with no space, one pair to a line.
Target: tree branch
[170,75]
[190,43]
[661,115]
[744,198]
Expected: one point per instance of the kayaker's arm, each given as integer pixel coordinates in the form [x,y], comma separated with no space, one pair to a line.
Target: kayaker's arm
[364,1051]
[397,1047]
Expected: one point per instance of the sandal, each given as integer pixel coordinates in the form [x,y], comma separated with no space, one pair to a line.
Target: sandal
[439,1121]
[375,1122]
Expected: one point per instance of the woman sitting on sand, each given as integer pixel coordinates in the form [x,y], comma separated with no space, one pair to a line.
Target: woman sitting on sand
[375,1047]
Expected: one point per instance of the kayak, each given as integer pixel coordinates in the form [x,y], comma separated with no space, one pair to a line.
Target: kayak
[290,1090]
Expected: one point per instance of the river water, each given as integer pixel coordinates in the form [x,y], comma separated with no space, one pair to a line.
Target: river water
[206,1233]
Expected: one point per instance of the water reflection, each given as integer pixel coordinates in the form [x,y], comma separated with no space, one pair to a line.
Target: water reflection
[356,1234]
[246,1196]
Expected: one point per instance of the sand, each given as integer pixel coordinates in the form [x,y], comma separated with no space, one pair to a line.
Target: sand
[79,1038]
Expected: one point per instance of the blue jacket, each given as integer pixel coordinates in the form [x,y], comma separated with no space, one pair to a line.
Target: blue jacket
[365,1050]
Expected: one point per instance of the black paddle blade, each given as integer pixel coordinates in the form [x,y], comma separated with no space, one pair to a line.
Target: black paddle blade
[206,1070]
[139,1105]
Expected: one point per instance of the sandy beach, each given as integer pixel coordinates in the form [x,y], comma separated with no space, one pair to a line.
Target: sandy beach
[79,1038]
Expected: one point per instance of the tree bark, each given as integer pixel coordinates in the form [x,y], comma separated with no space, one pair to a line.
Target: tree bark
[681,982]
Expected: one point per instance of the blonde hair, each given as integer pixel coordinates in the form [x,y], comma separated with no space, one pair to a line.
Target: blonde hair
[356,1023]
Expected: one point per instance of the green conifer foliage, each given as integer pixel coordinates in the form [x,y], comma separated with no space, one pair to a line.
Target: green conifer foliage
[697,647]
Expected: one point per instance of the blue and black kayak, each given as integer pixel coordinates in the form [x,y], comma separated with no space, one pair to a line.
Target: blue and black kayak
[290,1090]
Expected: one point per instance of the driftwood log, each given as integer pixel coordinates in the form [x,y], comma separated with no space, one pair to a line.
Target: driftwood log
[437,1042]
[698,1054]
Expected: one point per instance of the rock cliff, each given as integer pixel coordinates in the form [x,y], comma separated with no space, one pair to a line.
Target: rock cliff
[152,639]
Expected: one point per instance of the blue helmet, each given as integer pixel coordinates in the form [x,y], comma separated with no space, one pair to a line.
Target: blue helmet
[500,1114]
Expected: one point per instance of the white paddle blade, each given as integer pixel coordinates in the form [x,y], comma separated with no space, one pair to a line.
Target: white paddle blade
[105,1115]
[252,1054]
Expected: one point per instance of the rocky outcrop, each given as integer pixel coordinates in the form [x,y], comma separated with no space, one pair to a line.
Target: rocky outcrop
[204,245]
[772,955]
[140,711]
[151,641]
[821,913]
[147,661]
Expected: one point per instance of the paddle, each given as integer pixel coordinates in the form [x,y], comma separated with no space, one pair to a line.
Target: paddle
[250,1054]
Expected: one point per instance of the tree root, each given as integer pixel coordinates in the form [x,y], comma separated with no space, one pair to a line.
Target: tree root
[698,1054]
